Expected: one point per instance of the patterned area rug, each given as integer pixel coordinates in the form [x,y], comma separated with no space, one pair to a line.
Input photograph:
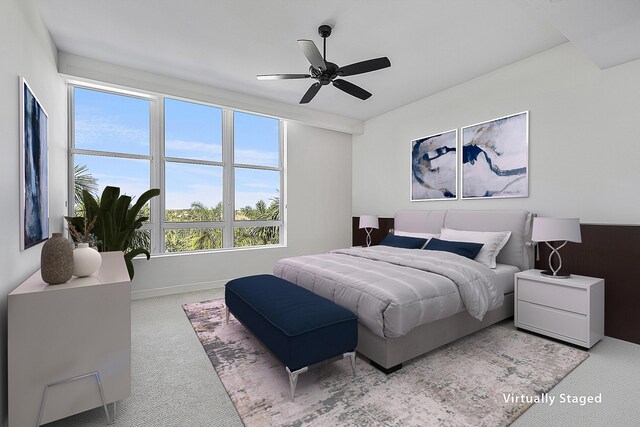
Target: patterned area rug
[462,383]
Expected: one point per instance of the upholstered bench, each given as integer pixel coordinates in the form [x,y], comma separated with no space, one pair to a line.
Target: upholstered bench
[299,327]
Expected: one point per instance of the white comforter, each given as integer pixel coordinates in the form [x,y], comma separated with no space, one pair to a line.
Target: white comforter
[394,290]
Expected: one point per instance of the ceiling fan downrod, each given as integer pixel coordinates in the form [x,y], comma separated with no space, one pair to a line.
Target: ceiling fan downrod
[324,31]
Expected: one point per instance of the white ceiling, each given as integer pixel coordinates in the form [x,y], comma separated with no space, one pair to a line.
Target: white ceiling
[432,44]
[608,32]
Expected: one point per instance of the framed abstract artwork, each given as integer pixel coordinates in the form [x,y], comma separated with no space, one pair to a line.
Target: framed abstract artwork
[434,167]
[34,186]
[495,158]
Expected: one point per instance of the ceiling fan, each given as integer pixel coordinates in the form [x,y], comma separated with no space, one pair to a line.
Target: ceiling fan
[326,72]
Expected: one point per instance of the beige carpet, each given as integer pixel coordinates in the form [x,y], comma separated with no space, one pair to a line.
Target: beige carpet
[473,381]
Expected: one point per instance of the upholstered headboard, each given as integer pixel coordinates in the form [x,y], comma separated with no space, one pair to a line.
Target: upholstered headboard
[518,250]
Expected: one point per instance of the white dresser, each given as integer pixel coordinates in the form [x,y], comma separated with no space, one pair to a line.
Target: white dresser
[61,335]
[569,309]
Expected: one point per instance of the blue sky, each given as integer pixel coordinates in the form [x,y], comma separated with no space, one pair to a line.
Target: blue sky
[108,122]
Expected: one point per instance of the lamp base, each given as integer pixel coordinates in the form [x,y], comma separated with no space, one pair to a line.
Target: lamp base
[555,276]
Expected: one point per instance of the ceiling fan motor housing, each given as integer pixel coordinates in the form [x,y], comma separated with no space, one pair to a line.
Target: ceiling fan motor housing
[325,77]
[324,31]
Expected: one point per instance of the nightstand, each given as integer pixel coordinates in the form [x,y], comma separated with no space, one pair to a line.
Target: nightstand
[570,309]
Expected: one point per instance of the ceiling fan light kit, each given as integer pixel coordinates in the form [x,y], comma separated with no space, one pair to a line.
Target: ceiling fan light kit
[326,72]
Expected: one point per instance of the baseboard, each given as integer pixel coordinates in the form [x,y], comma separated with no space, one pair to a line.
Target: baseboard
[178,289]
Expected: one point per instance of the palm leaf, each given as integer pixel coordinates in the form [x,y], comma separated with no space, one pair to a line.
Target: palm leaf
[128,258]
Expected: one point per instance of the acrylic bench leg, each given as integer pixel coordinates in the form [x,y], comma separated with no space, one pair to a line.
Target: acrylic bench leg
[352,357]
[293,379]
[227,314]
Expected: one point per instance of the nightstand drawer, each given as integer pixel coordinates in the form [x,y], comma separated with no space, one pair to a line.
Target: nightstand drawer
[551,320]
[552,295]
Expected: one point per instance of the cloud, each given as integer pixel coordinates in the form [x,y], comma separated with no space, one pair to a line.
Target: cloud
[193,149]
[97,132]
[182,171]
[256,157]
[268,185]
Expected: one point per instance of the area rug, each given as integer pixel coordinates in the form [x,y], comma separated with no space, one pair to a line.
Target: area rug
[472,381]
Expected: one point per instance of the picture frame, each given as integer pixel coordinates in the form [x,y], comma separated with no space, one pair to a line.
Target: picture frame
[494,158]
[434,167]
[34,169]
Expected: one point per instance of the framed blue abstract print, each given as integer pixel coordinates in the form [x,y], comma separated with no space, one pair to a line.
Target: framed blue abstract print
[495,158]
[34,185]
[434,167]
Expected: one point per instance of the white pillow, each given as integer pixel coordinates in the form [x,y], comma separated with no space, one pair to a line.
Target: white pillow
[419,235]
[493,242]
[427,236]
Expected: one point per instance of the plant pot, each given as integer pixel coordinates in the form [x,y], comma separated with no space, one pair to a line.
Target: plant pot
[56,260]
[86,260]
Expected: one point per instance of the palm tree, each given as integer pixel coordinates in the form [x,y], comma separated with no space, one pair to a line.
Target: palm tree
[266,235]
[83,180]
[205,239]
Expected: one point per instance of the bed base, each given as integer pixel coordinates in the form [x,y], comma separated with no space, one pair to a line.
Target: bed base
[390,353]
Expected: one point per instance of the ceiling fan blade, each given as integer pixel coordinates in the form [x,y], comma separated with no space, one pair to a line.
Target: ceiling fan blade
[282,76]
[365,66]
[351,89]
[312,53]
[311,92]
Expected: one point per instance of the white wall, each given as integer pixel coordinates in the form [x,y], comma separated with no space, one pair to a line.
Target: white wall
[318,196]
[584,143]
[26,49]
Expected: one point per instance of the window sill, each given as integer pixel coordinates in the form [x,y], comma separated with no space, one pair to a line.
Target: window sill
[214,251]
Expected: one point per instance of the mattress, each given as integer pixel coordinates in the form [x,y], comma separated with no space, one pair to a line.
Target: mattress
[394,290]
[505,277]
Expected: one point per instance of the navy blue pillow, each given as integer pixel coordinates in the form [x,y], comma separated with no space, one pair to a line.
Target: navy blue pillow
[403,242]
[465,249]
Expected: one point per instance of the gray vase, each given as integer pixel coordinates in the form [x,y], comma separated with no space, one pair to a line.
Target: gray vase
[56,260]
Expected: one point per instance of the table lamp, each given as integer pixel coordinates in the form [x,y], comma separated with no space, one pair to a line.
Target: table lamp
[556,230]
[368,222]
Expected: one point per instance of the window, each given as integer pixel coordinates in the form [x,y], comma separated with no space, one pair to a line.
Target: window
[111,146]
[256,159]
[219,171]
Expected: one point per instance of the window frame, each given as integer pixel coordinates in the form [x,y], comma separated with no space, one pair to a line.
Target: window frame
[157,224]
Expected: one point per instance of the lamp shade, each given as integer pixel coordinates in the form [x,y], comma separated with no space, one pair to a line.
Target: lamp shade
[556,229]
[368,221]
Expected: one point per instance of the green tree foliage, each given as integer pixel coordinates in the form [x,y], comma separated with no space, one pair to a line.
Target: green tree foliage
[194,239]
[256,236]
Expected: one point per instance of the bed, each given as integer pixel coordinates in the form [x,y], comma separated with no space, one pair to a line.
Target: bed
[410,301]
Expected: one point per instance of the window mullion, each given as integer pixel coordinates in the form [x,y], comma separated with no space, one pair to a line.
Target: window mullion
[228,194]
[200,225]
[116,154]
[71,197]
[282,134]
[157,174]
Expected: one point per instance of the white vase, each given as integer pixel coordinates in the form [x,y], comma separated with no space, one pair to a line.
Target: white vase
[86,260]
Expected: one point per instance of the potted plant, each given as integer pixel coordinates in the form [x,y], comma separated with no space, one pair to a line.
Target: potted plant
[116,222]
[86,259]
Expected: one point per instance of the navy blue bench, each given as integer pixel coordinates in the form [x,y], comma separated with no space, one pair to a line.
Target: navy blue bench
[299,327]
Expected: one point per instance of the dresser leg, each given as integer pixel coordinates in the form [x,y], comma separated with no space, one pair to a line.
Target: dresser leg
[90,374]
